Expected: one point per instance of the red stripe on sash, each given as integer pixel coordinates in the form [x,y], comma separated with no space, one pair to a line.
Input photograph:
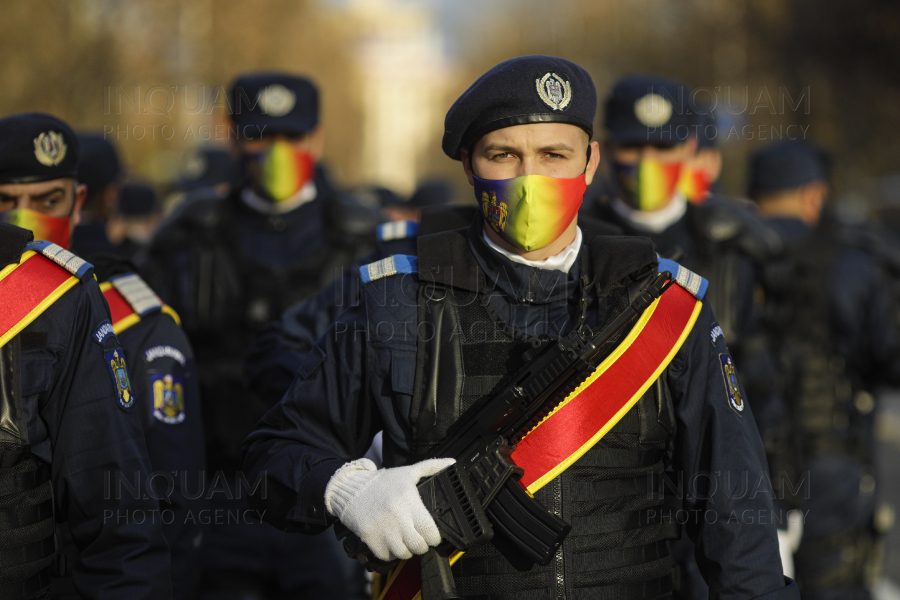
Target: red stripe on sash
[118,307]
[25,287]
[573,425]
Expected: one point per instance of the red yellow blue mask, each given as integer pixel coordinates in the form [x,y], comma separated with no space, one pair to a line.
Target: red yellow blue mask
[530,211]
[694,184]
[649,184]
[44,227]
[280,171]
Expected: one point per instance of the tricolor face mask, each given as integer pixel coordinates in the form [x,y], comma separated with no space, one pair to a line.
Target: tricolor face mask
[44,227]
[530,211]
[280,171]
[694,184]
[648,185]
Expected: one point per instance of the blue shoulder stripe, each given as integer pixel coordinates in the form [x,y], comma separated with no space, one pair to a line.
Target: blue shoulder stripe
[392,265]
[689,280]
[397,230]
[75,265]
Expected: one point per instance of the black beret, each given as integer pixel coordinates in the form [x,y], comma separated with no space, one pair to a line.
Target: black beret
[263,103]
[137,200]
[786,166]
[98,162]
[648,109]
[36,147]
[528,89]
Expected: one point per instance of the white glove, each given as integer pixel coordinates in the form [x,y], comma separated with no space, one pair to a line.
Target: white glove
[383,506]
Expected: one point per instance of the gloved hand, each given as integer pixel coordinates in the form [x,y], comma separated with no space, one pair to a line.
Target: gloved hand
[383,506]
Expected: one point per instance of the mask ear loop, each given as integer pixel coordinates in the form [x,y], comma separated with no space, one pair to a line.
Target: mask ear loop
[588,161]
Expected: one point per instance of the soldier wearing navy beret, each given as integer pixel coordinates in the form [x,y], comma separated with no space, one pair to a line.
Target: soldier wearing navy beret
[70,427]
[526,269]
[229,264]
[834,323]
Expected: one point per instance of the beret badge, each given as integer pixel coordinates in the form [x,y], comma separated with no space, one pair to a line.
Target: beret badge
[653,110]
[276,100]
[555,90]
[49,148]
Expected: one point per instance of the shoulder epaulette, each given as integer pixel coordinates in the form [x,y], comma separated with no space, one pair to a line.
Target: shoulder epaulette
[75,265]
[137,293]
[689,280]
[130,299]
[392,265]
[397,230]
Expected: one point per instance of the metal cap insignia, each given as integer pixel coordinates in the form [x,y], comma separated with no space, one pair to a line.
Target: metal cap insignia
[555,90]
[276,100]
[653,110]
[50,148]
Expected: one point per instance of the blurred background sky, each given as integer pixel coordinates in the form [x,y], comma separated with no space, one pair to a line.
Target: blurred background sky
[152,75]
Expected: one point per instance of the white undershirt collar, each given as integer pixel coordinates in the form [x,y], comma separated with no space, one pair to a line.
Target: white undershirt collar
[655,221]
[305,194]
[561,262]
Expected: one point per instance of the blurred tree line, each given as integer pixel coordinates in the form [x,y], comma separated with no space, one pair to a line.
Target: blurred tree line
[826,65]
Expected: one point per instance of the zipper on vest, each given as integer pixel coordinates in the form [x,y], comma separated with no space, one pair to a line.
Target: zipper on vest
[560,565]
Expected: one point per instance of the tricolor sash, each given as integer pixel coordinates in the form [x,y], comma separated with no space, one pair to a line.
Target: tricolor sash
[27,289]
[588,413]
[130,299]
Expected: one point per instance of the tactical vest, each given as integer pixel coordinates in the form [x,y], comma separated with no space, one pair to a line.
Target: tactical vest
[818,386]
[27,545]
[231,300]
[617,547]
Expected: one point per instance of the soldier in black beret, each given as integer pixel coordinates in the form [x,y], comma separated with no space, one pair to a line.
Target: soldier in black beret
[834,322]
[439,332]
[71,403]
[38,170]
[230,264]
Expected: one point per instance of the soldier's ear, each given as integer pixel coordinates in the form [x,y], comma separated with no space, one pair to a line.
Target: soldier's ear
[80,193]
[593,162]
[467,164]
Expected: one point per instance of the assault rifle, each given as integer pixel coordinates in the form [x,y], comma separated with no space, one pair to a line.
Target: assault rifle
[482,488]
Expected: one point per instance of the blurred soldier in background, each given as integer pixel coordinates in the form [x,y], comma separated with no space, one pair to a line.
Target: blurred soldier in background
[136,219]
[69,431]
[663,163]
[229,266]
[829,310]
[164,382]
[101,171]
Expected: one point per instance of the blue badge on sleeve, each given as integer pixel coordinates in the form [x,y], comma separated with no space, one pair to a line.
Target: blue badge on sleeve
[116,362]
[168,397]
[732,385]
[104,330]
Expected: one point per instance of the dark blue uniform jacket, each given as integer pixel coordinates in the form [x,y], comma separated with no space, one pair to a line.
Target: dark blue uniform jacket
[359,380]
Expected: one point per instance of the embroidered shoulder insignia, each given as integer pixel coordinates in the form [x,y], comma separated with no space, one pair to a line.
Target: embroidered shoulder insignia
[689,280]
[168,397]
[115,360]
[392,265]
[732,386]
[137,293]
[397,230]
[73,264]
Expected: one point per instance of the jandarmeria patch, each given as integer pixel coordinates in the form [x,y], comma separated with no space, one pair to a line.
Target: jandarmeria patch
[732,385]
